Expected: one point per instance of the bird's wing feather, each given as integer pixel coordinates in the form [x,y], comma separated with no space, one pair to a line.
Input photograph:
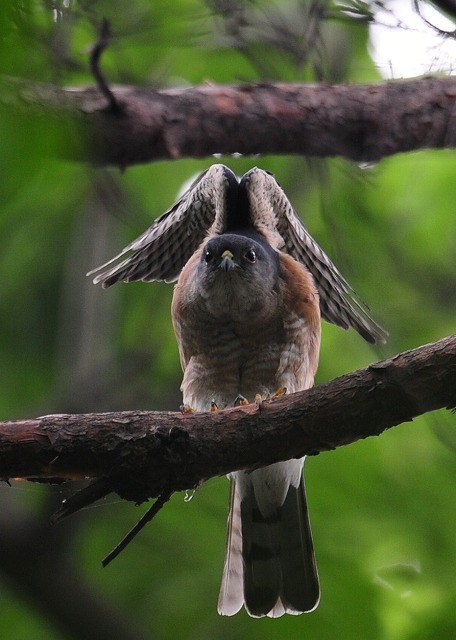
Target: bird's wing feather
[272,211]
[231,596]
[161,251]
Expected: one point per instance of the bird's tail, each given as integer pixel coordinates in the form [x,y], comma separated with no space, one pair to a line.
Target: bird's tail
[270,563]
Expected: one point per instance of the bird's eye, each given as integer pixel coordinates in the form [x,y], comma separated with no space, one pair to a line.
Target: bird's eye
[208,255]
[250,255]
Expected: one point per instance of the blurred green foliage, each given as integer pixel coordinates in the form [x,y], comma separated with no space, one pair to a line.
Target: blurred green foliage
[383,509]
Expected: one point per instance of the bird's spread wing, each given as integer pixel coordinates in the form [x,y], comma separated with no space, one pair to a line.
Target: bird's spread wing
[161,251]
[271,210]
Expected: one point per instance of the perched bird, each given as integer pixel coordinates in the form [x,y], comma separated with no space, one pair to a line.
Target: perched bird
[252,285]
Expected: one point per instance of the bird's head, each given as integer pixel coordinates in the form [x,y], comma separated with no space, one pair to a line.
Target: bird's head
[238,275]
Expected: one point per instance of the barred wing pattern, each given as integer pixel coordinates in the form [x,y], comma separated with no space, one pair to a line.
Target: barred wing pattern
[215,203]
[339,304]
[161,252]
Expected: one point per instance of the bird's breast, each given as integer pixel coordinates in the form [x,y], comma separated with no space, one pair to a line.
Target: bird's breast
[228,359]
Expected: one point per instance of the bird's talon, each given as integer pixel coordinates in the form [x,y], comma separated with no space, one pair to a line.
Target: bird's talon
[240,401]
[186,408]
[279,393]
[214,406]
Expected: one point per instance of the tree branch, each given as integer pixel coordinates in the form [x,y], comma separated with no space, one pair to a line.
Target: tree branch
[360,122]
[145,453]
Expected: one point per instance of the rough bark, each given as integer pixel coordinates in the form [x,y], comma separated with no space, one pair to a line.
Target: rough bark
[146,453]
[361,122]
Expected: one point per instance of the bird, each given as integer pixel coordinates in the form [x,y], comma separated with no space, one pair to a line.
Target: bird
[252,288]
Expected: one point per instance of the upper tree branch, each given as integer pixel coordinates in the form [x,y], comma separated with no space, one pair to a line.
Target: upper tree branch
[361,122]
[146,453]
[97,50]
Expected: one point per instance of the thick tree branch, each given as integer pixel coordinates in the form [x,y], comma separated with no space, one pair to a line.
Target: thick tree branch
[361,122]
[146,453]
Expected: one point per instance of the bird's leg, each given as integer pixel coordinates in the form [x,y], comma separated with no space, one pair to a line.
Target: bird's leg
[240,401]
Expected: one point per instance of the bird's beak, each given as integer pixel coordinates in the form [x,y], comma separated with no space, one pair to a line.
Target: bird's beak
[227,263]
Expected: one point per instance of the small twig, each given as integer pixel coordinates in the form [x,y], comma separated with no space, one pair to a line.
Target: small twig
[96,490]
[97,50]
[147,517]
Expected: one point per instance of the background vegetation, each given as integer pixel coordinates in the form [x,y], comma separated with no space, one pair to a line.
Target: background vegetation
[383,510]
